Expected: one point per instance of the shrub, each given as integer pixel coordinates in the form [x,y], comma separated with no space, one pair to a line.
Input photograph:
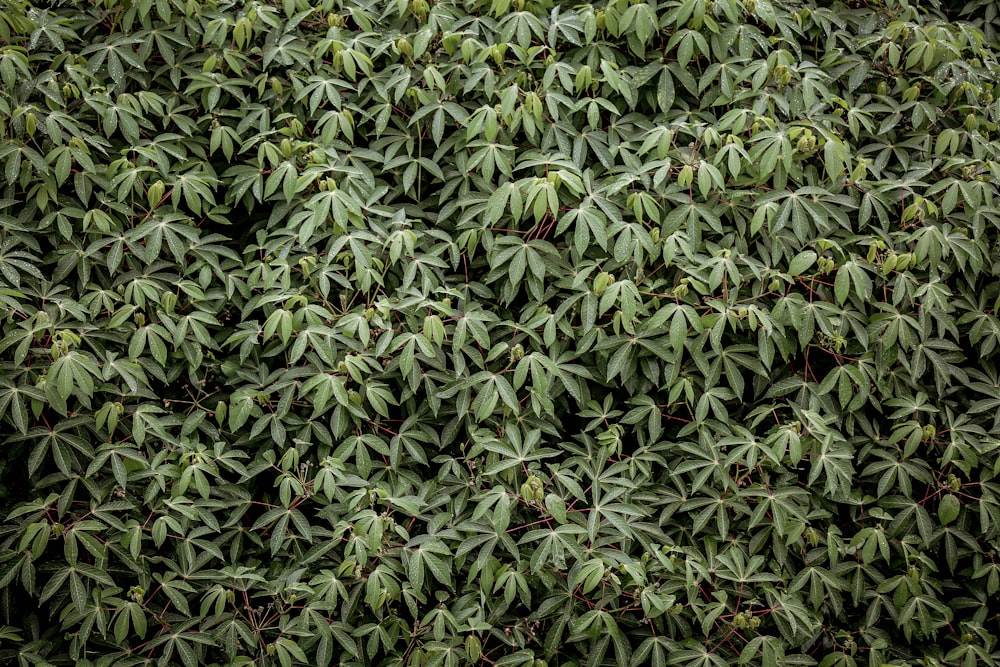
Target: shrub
[506,332]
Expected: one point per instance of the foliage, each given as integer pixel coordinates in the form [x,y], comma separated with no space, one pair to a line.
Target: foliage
[514,332]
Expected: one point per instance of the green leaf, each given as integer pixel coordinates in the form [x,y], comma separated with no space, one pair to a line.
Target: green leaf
[801,262]
[556,507]
[948,509]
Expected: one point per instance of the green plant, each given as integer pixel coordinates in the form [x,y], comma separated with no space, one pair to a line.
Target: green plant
[501,332]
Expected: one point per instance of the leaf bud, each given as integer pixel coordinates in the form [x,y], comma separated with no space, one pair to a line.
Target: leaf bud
[971,122]
[473,648]
[602,281]
[954,483]
[404,47]
[169,301]
[711,137]
[243,31]
[882,88]
[221,409]
[654,234]
[599,19]
[538,108]
[517,352]
[686,176]
[873,252]
[420,8]
[30,123]
[140,319]
[533,489]
[929,433]
[469,49]
[137,593]
[155,193]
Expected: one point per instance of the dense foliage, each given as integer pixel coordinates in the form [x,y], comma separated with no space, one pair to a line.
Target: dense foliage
[514,332]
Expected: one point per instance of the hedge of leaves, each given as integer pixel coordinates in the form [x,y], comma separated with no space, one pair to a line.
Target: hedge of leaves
[504,332]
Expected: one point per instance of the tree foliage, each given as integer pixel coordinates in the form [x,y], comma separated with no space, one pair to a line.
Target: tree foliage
[514,332]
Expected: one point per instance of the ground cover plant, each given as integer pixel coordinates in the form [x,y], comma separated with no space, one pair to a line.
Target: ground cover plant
[503,332]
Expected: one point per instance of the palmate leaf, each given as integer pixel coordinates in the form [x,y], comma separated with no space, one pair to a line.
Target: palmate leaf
[14,401]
